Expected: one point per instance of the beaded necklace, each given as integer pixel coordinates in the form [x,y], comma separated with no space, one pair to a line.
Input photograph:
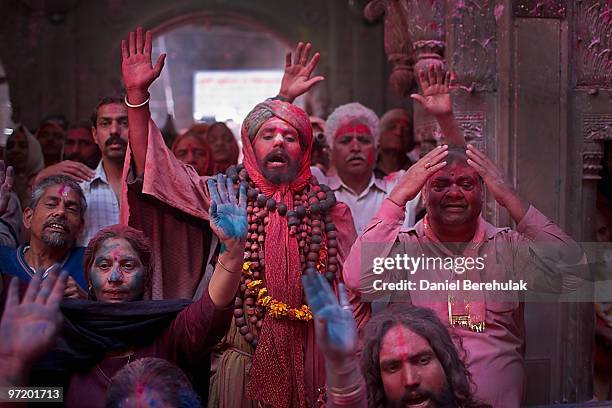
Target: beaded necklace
[310,222]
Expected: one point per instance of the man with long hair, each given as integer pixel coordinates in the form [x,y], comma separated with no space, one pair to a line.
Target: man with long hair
[408,357]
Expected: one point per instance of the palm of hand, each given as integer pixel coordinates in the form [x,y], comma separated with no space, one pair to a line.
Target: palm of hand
[229,221]
[138,71]
[341,330]
[295,80]
[27,331]
[437,100]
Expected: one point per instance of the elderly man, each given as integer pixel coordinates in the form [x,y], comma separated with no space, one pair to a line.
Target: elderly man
[54,219]
[352,132]
[452,182]
[294,224]
[408,358]
[396,147]
[102,186]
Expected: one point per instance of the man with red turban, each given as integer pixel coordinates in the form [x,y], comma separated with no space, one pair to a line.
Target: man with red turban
[295,225]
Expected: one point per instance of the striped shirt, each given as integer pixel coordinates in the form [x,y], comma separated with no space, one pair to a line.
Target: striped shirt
[102,205]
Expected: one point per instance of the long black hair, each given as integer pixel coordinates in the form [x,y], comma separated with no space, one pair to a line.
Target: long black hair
[425,323]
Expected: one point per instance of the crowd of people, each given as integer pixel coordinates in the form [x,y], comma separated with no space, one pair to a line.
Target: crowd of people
[140,274]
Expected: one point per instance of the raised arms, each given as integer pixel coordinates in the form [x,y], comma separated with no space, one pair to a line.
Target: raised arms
[436,100]
[138,75]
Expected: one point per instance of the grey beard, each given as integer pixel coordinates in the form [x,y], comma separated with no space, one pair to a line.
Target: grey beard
[56,240]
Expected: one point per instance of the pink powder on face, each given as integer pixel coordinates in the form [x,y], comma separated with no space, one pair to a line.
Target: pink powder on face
[353,128]
[115,254]
[64,190]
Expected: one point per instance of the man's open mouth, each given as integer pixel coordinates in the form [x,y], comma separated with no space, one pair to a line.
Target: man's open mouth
[417,402]
[277,160]
[54,226]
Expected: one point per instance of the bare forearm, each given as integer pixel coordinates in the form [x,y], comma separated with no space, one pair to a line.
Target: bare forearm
[450,130]
[139,127]
[226,277]
[345,384]
[516,206]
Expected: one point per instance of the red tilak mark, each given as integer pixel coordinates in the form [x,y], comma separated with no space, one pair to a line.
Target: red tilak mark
[64,190]
[352,128]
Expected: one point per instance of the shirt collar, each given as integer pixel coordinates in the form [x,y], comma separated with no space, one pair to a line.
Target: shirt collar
[490,231]
[336,183]
[23,248]
[100,174]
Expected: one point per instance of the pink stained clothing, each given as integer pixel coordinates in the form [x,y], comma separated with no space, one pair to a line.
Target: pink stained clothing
[365,205]
[194,331]
[170,205]
[494,357]
[182,241]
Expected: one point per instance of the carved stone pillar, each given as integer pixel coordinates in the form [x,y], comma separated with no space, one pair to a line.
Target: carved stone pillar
[398,45]
[533,90]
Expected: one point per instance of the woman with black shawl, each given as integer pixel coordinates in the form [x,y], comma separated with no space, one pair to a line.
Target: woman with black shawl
[117,326]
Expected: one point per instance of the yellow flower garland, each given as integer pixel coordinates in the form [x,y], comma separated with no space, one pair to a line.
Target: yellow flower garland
[275,308]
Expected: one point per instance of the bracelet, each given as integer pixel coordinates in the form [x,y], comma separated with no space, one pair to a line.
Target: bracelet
[281,98]
[225,267]
[347,396]
[346,391]
[140,105]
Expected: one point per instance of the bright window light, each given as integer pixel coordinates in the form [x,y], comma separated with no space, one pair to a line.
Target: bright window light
[225,95]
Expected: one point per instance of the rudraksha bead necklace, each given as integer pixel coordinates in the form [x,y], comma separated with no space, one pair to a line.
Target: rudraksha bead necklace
[310,222]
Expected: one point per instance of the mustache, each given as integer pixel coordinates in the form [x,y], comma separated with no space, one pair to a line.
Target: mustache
[360,156]
[115,140]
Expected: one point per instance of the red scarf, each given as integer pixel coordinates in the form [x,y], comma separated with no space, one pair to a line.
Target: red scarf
[277,372]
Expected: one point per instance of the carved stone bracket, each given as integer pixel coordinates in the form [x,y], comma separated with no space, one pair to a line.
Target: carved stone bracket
[540,8]
[593,33]
[473,126]
[472,30]
[398,43]
[596,128]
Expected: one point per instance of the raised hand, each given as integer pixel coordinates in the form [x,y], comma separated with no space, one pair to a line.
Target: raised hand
[436,99]
[136,66]
[76,170]
[73,290]
[296,79]
[228,216]
[335,326]
[28,328]
[415,177]
[7,177]
[496,183]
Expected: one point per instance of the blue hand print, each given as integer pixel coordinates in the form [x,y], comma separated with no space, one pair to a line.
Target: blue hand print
[336,329]
[228,217]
